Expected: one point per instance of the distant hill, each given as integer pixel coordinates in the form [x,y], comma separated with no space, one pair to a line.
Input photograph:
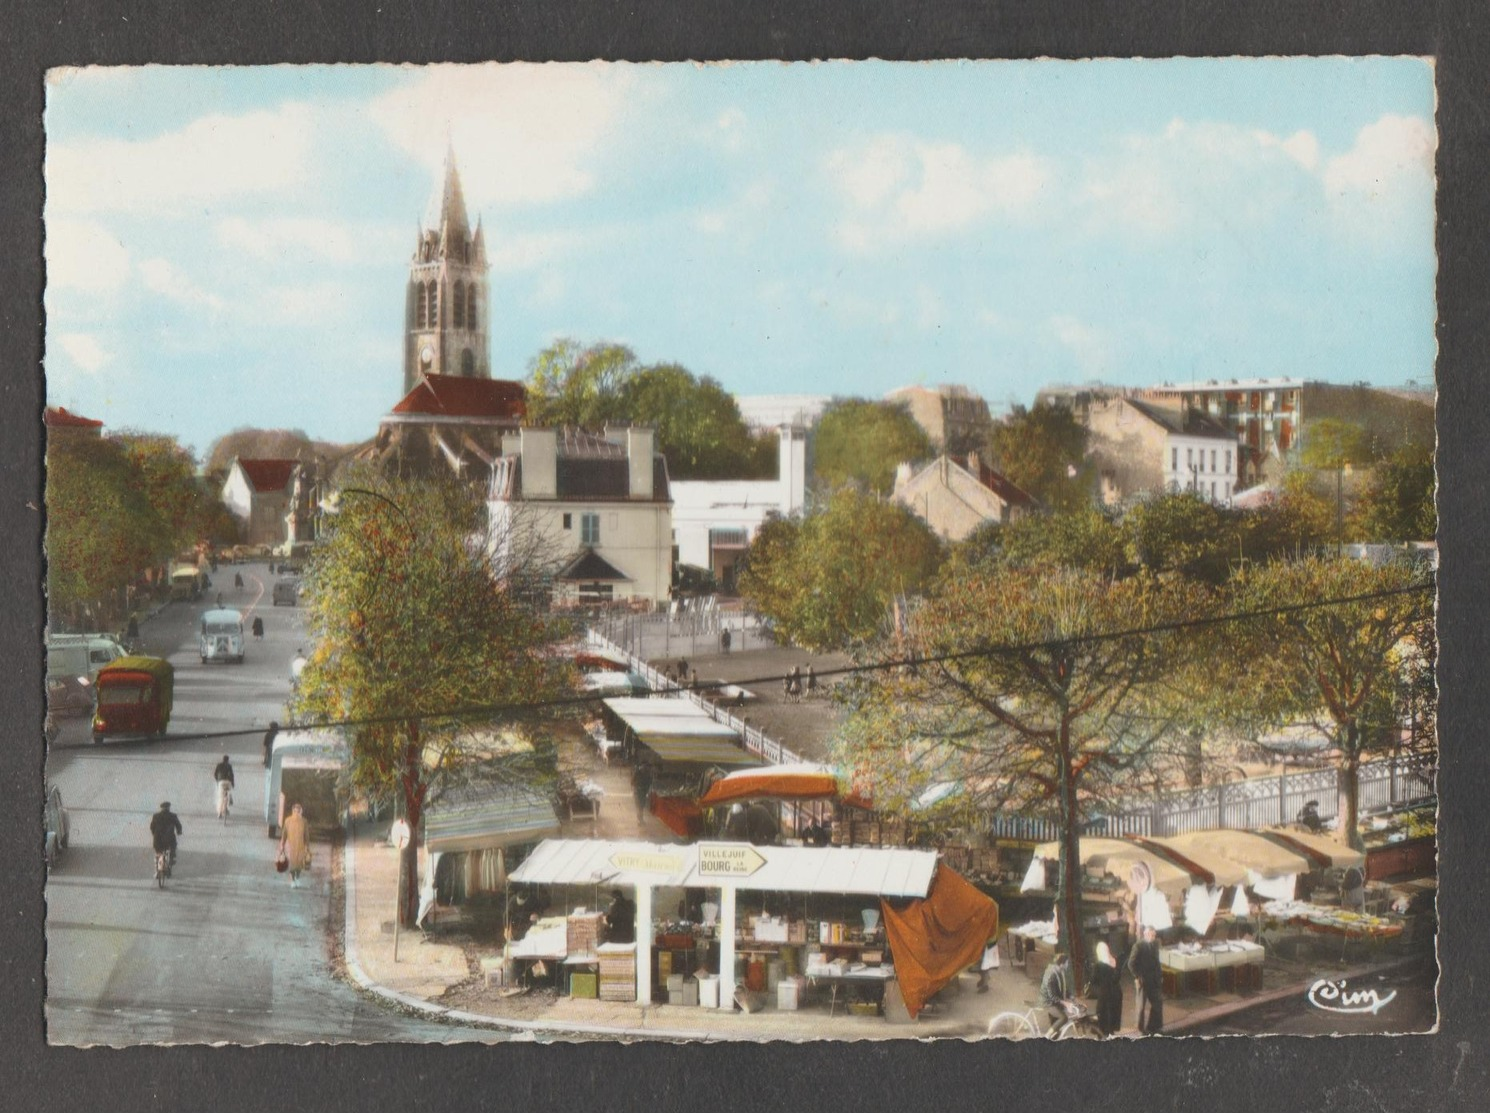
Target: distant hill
[1392,418]
[279,444]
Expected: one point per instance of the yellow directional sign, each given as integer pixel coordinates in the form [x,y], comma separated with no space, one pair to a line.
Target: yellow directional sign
[646,863]
[728,860]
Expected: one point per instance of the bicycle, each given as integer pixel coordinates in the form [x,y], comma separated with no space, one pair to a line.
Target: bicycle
[224,799]
[163,861]
[1035,1021]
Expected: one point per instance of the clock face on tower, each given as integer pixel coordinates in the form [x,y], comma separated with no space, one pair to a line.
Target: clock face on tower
[427,355]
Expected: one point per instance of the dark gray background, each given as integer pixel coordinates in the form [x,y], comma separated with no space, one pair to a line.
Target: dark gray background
[1443,1071]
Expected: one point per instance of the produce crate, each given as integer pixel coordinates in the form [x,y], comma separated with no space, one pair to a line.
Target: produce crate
[582,936]
[864,1008]
[617,989]
[583,985]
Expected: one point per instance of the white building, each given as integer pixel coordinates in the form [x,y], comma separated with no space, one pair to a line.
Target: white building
[1142,448]
[956,496]
[714,520]
[598,510]
[259,494]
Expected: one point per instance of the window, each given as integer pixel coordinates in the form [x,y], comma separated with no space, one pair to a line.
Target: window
[1213,490]
[434,304]
[467,362]
[458,310]
[568,521]
[471,306]
[1228,463]
[421,307]
[1174,459]
[1213,459]
[589,529]
[1190,458]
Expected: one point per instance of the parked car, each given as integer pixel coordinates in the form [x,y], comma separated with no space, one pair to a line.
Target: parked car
[73,661]
[286,593]
[57,824]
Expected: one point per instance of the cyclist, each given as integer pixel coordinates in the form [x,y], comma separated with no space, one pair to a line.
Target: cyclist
[165,825]
[1055,990]
[223,775]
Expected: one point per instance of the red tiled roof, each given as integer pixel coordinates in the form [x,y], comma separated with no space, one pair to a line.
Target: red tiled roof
[999,485]
[454,396]
[268,475]
[55,416]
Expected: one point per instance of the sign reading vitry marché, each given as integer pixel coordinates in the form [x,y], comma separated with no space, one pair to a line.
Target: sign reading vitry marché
[727,860]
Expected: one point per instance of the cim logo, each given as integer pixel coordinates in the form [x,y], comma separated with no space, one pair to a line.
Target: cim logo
[1337,997]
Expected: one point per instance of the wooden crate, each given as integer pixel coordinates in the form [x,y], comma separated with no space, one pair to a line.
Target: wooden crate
[583,985]
[582,933]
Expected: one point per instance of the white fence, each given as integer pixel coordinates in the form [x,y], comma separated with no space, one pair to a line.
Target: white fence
[1249,804]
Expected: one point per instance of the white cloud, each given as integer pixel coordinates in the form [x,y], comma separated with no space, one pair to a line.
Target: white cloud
[303,305]
[312,239]
[162,277]
[931,310]
[1090,347]
[212,158]
[84,255]
[84,350]
[739,213]
[523,132]
[525,250]
[899,188]
[1392,155]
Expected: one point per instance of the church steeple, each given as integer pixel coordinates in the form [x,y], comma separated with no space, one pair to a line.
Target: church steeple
[445,318]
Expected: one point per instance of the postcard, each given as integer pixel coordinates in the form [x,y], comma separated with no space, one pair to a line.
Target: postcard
[845,551]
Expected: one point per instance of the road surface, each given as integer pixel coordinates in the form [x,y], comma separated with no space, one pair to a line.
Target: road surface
[228,952]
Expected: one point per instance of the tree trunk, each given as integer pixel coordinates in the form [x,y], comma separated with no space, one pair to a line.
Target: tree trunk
[414,789]
[1350,791]
[1068,897]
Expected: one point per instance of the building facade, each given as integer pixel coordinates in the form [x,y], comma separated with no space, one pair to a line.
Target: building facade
[714,521]
[260,494]
[594,512]
[1265,416]
[1140,448]
[446,325]
[954,497]
[954,418]
[448,426]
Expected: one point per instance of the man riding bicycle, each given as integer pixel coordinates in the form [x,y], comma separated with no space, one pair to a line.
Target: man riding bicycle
[223,775]
[165,825]
[1055,990]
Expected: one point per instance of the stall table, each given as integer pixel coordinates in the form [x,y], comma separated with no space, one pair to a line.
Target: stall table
[1235,966]
[840,973]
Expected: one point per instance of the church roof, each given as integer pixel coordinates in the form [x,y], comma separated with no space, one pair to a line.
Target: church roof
[58,417]
[454,396]
[268,475]
[447,208]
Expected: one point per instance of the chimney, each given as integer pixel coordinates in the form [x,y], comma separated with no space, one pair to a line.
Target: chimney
[615,434]
[639,439]
[540,455]
[902,474]
[791,467]
[974,465]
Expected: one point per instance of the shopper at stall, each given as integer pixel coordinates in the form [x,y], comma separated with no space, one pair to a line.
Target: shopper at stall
[620,919]
[1107,988]
[1148,982]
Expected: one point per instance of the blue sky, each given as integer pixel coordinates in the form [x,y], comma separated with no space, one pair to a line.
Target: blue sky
[229,246]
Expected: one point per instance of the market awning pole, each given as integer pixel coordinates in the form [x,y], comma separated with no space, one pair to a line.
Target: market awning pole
[644,944]
[727,947]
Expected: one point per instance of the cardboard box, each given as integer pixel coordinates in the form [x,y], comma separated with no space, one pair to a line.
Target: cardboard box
[796,931]
[674,985]
[664,964]
[788,995]
[690,993]
[708,991]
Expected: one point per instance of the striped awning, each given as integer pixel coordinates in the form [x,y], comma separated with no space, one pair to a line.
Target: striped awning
[489,817]
[679,731]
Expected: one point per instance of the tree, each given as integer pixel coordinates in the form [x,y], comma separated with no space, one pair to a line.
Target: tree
[698,423]
[828,581]
[166,474]
[1043,451]
[1296,523]
[1182,532]
[1086,538]
[1333,443]
[862,442]
[412,631]
[570,383]
[1035,690]
[1339,666]
[1397,504]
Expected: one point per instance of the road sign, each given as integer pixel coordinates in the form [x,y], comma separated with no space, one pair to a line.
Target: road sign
[728,860]
[398,835]
[646,863]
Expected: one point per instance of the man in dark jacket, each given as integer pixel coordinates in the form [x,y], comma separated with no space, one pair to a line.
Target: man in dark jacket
[1148,980]
[269,736]
[165,825]
[620,919]
[1055,989]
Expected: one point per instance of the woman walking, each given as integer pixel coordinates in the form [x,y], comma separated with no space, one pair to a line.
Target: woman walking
[294,843]
[1107,987]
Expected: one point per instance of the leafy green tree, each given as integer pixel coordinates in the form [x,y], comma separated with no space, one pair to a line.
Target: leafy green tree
[570,383]
[1297,523]
[1182,532]
[1036,690]
[828,581]
[1398,503]
[862,442]
[1334,443]
[412,632]
[1043,451]
[1338,667]
[698,423]
[166,475]
[1086,538]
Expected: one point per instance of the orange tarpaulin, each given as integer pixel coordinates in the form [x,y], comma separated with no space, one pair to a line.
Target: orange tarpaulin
[680,816]
[797,781]
[935,939]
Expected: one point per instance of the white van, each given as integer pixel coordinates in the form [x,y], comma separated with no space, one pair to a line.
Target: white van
[306,768]
[73,661]
[220,636]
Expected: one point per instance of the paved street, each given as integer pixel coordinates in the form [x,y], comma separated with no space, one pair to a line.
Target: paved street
[228,952]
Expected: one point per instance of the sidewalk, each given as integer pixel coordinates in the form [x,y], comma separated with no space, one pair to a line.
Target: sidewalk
[440,975]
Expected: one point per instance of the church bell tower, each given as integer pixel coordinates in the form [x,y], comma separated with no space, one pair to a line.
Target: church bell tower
[445,321]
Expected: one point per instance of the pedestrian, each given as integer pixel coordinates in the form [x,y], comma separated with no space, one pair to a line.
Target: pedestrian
[294,843]
[1148,982]
[297,666]
[258,628]
[682,671]
[693,679]
[620,919]
[724,639]
[219,600]
[641,788]
[222,777]
[988,962]
[269,736]
[811,681]
[1107,987]
[1055,989]
[132,631]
